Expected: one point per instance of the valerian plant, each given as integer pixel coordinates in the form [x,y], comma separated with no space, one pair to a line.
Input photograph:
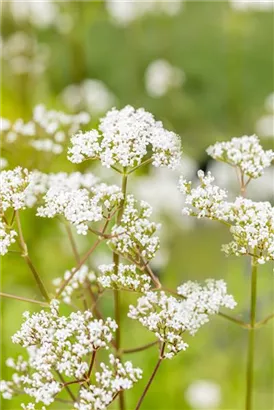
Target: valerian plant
[63,352]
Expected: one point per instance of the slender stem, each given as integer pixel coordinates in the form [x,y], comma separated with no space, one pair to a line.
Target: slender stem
[251,338]
[235,320]
[151,377]
[147,161]
[73,244]
[25,255]
[37,302]
[83,260]
[66,386]
[264,321]
[116,259]
[141,348]
[91,363]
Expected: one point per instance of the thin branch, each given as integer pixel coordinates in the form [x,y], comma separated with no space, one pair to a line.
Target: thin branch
[72,242]
[91,363]
[22,299]
[83,260]
[235,320]
[264,321]
[66,387]
[151,377]
[25,255]
[141,348]
[147,161]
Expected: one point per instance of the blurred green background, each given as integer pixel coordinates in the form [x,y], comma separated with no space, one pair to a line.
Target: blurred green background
[227,57]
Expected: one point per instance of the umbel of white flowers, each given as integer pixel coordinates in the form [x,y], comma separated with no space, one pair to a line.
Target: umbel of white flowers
[125,138]
[251,223]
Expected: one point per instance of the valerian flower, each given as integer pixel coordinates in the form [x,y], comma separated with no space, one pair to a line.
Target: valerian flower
[246,153]
[113,378]
[125,138]
[124,277]
[81,206]
[55,344]
[170,317]
[134,236]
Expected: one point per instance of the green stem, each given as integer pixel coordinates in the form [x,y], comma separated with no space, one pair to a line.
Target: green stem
[25,255]
[116,259]
[251,338]
[151,377]
[37,302]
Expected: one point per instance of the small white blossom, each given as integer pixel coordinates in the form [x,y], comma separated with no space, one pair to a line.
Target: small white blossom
[91,95]
[161,76]
[81,206]
[7,237]
[55,343]
[134,236]
[125,139]
[111,380]
[83,277]
[169,317]
[126,277]
[13,184]
[244,153]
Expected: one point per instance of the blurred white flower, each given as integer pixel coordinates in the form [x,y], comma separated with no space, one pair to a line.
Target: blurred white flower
[203,394]
[3,163]
[91,94]
[23,54]
[269,103]
[265,126]
[258,5]
[123,12]
[40,13]
[160,76]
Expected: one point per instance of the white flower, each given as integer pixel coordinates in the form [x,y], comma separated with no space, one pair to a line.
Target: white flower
[244,153]
[47,131]
[127,135]
[7,237]
[91,95]
[169,317]
[13,184]
[55,343]
[82,278]
[160,76]
[81,206]
[134,236]
[203,394]
[125,12]
[111,380]
[124,277]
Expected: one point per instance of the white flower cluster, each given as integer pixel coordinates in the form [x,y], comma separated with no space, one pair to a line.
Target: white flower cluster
[161,76]
[204,201]
[56,343]
[47,130]
[13,184]
[109,382]
[134,236]
[251,223]
[169,318]
[83,277]
[125,12]
[24,55]
[91,95]
[252,230]
[81,206]
[246,5]
[7,237]
[127,137]
[125,278]
[244,153]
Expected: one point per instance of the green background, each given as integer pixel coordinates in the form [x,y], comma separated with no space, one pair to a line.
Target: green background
[227,57]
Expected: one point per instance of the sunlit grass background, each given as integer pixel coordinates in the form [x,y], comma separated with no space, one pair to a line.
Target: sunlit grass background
[227,58]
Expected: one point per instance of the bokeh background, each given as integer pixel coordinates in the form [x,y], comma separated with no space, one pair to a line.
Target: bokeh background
[204,68]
